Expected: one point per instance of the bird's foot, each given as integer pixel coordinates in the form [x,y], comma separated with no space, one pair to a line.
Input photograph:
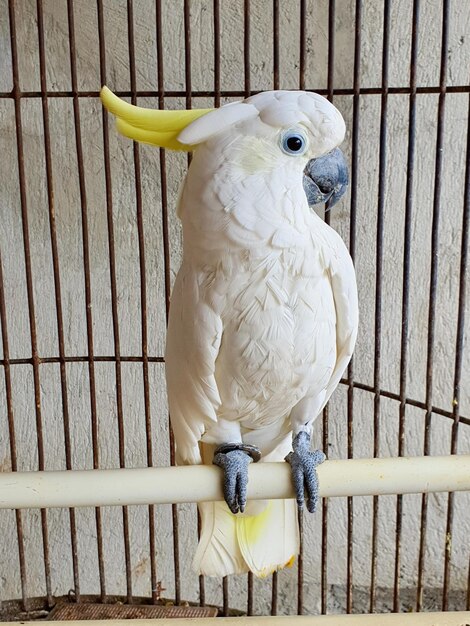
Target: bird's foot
[304,462]
[234,460]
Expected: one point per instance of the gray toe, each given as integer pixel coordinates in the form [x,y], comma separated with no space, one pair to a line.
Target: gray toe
[304,462]
[235,466]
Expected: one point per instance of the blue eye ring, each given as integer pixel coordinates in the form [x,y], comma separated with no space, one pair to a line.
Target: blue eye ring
[293,142]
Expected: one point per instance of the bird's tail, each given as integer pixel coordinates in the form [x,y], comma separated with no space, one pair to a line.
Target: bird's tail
[262,540]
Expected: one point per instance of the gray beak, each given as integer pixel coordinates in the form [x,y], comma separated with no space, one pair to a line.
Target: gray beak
[326,178]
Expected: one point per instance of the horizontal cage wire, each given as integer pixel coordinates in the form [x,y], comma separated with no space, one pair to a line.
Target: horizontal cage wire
[90,245]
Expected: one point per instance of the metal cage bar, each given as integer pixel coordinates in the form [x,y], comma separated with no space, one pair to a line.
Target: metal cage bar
[433,286]
[30,292]
[57,286]
[406,287]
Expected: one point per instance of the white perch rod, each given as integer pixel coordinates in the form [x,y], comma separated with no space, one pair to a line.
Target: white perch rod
[21,490]
[461,618]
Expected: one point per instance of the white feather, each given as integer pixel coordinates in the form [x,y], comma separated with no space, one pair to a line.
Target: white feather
[216,121]
[218,552]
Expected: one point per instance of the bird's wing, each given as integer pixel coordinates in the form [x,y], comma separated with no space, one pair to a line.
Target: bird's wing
[193,340]
[343,284]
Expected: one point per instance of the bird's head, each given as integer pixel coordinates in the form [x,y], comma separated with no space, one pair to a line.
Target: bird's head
[293,132]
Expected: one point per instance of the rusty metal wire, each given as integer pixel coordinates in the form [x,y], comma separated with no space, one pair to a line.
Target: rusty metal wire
[77,97]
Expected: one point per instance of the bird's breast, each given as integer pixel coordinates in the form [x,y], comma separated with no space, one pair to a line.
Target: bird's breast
[278,340]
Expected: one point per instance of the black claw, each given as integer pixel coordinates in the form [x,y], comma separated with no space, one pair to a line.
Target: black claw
[235,466]
[304,462]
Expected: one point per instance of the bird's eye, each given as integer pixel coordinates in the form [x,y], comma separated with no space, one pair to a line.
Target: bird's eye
[293,143]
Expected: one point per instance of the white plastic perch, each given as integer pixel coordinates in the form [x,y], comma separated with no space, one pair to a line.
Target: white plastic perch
[19,490]
[390,619]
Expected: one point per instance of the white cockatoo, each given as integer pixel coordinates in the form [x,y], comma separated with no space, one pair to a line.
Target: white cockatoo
[263,316]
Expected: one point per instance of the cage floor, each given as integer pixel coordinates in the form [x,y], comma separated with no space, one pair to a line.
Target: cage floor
[69,612]
[89,608]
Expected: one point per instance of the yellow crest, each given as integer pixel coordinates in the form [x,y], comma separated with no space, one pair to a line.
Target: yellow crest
[155,126]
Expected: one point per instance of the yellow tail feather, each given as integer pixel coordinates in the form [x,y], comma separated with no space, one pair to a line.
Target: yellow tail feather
[261,543]
[270,540]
